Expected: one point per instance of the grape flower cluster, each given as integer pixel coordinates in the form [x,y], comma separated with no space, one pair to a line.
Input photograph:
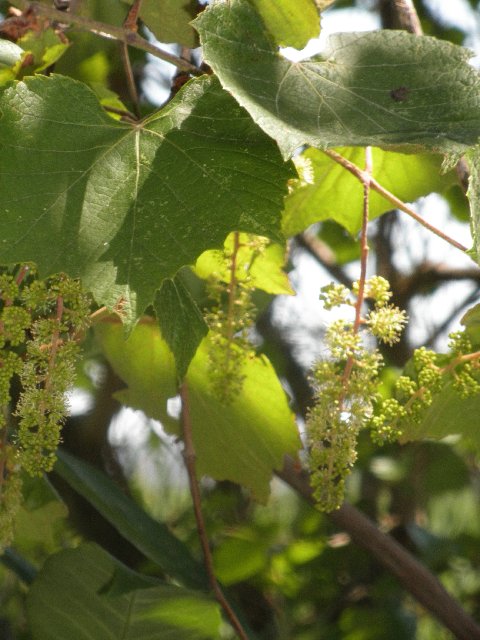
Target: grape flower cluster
[232,315]
[346,386]
[40,322]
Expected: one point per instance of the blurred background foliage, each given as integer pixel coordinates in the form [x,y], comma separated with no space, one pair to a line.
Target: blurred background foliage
[294,573]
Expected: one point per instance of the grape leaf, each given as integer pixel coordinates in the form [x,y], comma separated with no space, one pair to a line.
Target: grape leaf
[169,20]
[46,47]
[332,192]
[85,593]
[449,414]
[126,205]
[242,442]
[181,321]
[473,194]
[10,53]
[377,88]
[263,268]
[292,24]
[152,538]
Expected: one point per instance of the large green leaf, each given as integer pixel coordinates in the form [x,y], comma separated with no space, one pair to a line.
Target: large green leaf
[292,24]
[126,205]
[332,192]
[72,597]
[379,88]
[243,441]
[152,538]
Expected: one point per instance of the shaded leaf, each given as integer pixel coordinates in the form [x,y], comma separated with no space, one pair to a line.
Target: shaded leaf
[70,599]
[291,24]
[152,538]
[243,441]
[169,20]
[375,88]
[180,320]
[334,193]
[126,205]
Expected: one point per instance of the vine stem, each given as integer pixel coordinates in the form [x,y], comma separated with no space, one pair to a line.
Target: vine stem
[411,573]
[366,180]
[399,204]
[110,32]
[189,457]
[232,287]
[130,24]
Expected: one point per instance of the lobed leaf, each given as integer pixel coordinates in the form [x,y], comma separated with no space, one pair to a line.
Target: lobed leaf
[123,205]
[378,88]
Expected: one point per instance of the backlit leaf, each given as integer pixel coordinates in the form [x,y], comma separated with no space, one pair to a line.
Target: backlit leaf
[243,441]
[338,195]
[292,24]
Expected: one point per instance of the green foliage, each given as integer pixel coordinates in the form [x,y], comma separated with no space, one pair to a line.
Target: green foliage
[379,88]
[290,25]
[123,186]
[326,191]
[39,321]
[253,432]
[110,602]
[346,385]
[175,225]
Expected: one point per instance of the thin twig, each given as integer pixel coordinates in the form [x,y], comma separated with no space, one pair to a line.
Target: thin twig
[130,25]
[189,458]
[366,179]
[408,16]
[126,115]
[415,578]
[110,32]
[399,204]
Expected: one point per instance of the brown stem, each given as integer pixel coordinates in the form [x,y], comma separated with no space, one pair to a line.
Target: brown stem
[415,578]
[126,115]
[366,178]
[130,25]
[189,457]
[110,32]
[399,204]
[132,16]
[132,87]
[232,287]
